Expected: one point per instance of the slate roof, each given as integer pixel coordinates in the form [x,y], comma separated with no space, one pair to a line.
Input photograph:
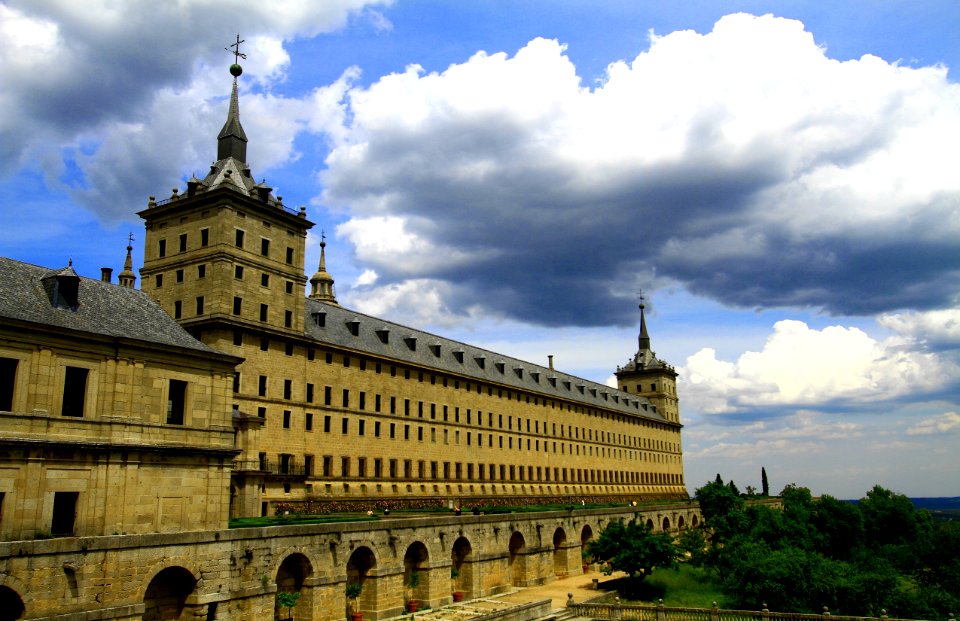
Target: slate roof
[104,308]
[352,330]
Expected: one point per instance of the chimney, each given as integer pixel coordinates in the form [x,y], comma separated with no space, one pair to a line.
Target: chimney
[550,361]
[106,273]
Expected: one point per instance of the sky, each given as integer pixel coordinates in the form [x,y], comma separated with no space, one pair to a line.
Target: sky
[779,179]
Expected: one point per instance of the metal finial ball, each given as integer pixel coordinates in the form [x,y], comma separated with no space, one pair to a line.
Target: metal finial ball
[236,70]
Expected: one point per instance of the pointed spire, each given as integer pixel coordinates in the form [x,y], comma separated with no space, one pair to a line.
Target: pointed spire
[321,283]
[232,140]
[127,278]
[644,337]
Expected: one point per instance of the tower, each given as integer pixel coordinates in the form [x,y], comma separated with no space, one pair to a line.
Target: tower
[321,283]
[226,252]
[648,376]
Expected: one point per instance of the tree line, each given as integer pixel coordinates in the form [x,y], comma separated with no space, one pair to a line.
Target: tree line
[855,558]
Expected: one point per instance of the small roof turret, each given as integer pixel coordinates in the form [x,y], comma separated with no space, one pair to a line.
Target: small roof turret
[321,283]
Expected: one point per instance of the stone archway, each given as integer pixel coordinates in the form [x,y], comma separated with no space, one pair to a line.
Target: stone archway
[586,535]
[694,521]
[680,523]
[166,595]
[290,578]
[650,525]
[11,605]
[666,524]
[461,569]
[361,562]
[560,569]
[416,577]
[518,559]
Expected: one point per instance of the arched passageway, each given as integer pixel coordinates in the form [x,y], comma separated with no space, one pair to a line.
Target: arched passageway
[666,524]
[461,569]
[518,559]
[416,580]
[292,573]
[11,606]
[680,523]
[359,565]
[694,521]
[650,525]
[167,593]
[586,534]
[560,553]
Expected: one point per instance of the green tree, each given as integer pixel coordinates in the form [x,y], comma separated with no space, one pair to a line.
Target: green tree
[634,549]
[764,484]
[838,527]
[288,601]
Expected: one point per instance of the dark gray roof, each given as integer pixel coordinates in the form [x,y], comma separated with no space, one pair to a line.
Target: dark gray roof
[103,308]
[358,332]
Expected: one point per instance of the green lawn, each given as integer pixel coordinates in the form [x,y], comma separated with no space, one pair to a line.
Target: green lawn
[686,587]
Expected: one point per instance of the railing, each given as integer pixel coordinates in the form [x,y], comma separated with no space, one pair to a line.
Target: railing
[620,612]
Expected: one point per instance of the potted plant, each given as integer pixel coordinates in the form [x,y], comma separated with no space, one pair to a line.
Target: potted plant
[454,575]
[413,581]
[353,591]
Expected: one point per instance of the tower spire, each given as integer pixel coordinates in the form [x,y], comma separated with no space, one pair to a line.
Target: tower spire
[321,283]
[127,278]
[232,140]
[644,339]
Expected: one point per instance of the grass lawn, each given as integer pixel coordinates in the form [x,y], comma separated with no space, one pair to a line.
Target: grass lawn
[686,587]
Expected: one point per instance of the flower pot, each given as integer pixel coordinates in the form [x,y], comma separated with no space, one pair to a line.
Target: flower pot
[458,596]
[356,616]
[412,605]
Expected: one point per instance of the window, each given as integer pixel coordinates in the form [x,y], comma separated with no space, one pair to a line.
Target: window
[238,272]
[344,426]
[74,391]
[287,388]
[288,287]
[261,412]
[264,309]
[361,427]
[200,305]
[8,376]
[264,344]
[183,242]
[327,395]
[309,393]
[177,309]
[308,421]
[308,465]
[202,271]
[239,238]
[179,275]
[158,280]
[346,397]
[162,248]
[289,256]
[363,401]
[204,237]
[327,466]
[286,419]
[265,247]
[64,513]
[262,386]
[236,382]
[237,305]
[176,402]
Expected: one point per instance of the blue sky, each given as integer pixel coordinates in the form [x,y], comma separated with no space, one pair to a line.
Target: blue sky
[779,178]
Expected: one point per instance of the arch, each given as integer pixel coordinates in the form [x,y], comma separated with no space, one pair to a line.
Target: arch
[362,560]
[650,525]
[694,521]
[518,559]
[666,524]
[416,581]
[11,605]
[461,571]
[680,523]
[586,535]
[560,552]
[166,594]
[291,575]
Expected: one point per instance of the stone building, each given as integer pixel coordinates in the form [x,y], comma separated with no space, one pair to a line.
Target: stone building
[357,411]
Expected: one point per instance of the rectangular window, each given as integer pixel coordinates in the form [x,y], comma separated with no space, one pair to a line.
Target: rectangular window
[265,247]
[236,382]
[376,429]
[363,401]
[64,513]
[286,419]
[308,421]
[204,237]
[262,386]
[162,248]
[326,424]
[327,466]
[376,403]
[176,402]
[177,309]
[237,305]
[345,466]
[289,256]
[309,393]
[346,397]
[264,280]
[74,391]
[362,467]
[202,271]
[327,395]
[8,377]
[287,319]
[263,312]
[361,427]
[238,272]
[239,240]
[158,280]
[344,426]
[287,388]
[261,412]
[183,242]
[264,344]
[288,287]
[200,305]
[308,465]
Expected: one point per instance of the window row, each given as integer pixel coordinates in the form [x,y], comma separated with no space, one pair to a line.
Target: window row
[239,240]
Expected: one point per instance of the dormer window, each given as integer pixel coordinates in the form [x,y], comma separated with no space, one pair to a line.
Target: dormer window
[64,289]
[354,326]
[481,361]
[458,354]
[500,366]
[411,342]
[518,371]
[384,335]
[319,318]
[535,375]
[435,349]
[552,380]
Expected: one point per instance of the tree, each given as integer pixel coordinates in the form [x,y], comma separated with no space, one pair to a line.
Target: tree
[634,549]
[288,601]
[764,484]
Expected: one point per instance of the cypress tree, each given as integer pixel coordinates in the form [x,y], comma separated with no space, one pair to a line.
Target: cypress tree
[763,481]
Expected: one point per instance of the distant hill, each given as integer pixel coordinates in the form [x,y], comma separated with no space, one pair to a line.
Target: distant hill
[942,508]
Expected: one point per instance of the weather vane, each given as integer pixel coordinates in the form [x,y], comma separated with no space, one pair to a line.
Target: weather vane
[235,68]
[130,239]
[640,297]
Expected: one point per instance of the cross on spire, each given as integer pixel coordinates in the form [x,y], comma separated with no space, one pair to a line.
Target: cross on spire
[237,55]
